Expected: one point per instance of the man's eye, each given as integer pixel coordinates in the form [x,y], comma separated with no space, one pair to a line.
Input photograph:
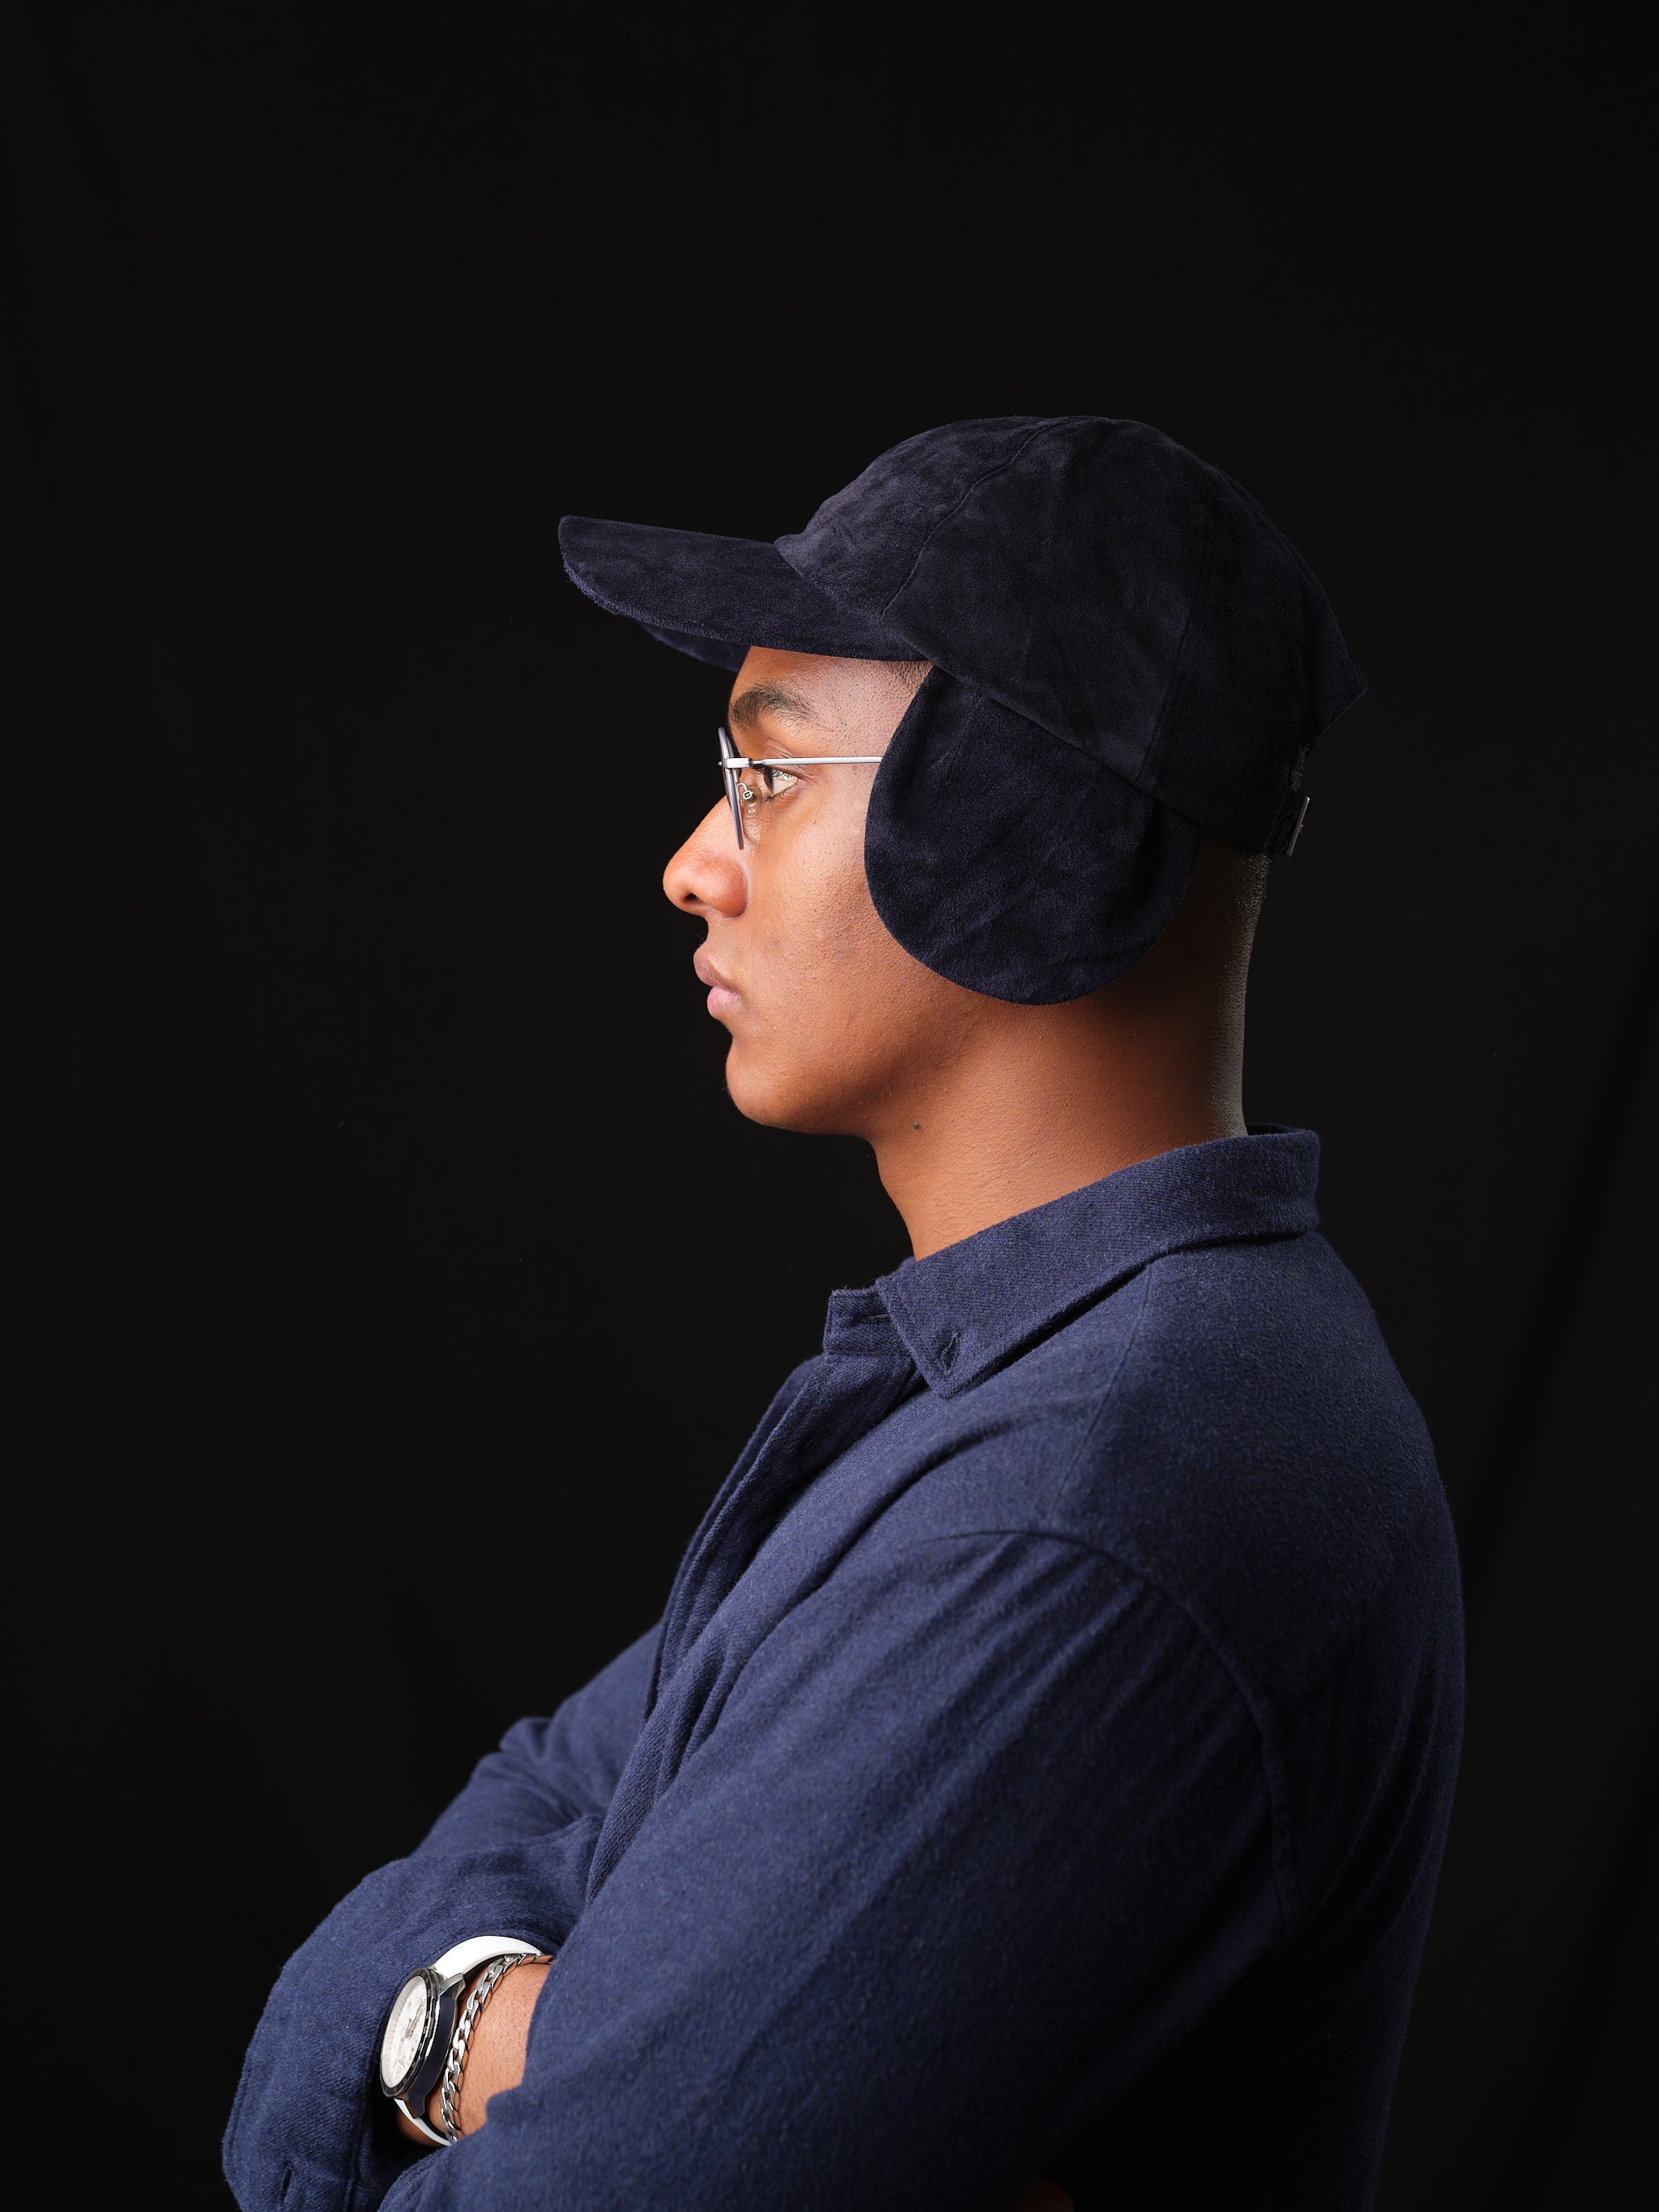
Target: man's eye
[765,783]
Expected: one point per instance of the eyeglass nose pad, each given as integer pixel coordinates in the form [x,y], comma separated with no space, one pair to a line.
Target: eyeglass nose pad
[729,752]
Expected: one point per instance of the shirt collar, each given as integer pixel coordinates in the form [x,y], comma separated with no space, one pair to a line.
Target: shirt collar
[969,1309]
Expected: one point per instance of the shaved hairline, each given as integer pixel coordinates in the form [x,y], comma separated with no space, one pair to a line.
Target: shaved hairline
[757,699]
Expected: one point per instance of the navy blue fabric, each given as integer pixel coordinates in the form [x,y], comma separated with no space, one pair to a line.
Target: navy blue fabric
[716,597]
[1041,1767]
[1083,586]
[1107,584]
[1055,874]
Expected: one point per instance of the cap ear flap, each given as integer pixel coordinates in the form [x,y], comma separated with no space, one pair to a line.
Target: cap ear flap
[1006,860]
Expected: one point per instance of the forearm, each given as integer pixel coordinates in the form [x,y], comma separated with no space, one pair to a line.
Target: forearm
[310,2129]
[511,1857]
[495,2061]
[548,1774]
[791,1974]
[495,2052]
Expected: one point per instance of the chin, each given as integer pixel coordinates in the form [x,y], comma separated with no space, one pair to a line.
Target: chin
[785,1095]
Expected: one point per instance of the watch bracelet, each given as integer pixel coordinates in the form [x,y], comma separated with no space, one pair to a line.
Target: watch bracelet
[450,2095]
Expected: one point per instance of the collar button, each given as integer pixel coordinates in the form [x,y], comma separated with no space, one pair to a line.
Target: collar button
[946,1350]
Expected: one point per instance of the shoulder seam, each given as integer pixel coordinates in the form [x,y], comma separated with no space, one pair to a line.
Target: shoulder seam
[1177,1593]
[1255,1704]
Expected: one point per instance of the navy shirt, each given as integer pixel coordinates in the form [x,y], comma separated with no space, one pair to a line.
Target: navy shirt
[1041,1767]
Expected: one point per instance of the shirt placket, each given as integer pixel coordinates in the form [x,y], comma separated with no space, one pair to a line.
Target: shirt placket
[841,1399]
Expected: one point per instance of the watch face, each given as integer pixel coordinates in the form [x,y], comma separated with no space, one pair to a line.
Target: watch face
[405,2033]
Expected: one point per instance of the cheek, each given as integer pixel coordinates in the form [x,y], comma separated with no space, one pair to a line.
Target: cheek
[824,944]
[836,1009]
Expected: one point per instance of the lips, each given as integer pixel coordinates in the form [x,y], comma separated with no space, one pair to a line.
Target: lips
[723,996]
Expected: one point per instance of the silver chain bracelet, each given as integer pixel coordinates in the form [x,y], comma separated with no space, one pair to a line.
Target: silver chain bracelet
[450,2099]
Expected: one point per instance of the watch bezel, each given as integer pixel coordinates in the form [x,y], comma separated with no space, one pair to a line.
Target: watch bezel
[440,2024]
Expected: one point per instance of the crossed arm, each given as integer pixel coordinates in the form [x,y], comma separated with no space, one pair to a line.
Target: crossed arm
[911,1917]
[495,2056]
[495,2061]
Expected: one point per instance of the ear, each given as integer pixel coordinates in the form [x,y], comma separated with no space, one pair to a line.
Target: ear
[1011,862]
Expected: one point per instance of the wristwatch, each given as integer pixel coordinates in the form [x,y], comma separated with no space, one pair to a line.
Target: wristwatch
[414,2042]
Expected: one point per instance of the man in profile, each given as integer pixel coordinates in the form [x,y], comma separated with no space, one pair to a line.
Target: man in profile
[1033,1789]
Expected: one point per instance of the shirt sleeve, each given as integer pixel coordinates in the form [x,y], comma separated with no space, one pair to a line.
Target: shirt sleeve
[980,1832]
[310,2130]
[547,1774]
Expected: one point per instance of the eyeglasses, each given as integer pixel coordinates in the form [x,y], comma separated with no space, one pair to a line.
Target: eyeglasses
[734,766]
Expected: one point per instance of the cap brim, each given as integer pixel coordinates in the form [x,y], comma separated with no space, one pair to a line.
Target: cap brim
[716,597]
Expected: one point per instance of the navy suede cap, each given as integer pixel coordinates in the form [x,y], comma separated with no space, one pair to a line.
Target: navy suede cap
[1127,656]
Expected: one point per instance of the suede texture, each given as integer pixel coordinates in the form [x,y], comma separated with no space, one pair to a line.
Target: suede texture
[1043,874]
[1107,584]
[716,597]
[1129,655]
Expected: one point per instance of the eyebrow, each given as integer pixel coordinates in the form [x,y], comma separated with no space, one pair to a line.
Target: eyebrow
[748,707]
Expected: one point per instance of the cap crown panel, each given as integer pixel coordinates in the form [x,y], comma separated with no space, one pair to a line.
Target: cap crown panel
[863,541]
[1063,586]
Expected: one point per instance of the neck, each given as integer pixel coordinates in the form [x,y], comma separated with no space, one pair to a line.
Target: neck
[1033,1102]
[1014,1130]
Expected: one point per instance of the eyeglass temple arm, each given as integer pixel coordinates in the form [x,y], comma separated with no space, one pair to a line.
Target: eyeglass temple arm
[732,758]
[732,763]
[738,760]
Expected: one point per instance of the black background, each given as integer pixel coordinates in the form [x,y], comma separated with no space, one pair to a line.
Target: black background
[386,1234]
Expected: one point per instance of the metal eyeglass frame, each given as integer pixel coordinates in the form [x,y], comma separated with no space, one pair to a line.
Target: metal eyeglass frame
[733,764]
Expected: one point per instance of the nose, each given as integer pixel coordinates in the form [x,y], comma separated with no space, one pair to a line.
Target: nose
[707,875]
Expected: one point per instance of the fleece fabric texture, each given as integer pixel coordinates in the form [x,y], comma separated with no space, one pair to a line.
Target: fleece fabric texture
[1126,654]
[1041,1767]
